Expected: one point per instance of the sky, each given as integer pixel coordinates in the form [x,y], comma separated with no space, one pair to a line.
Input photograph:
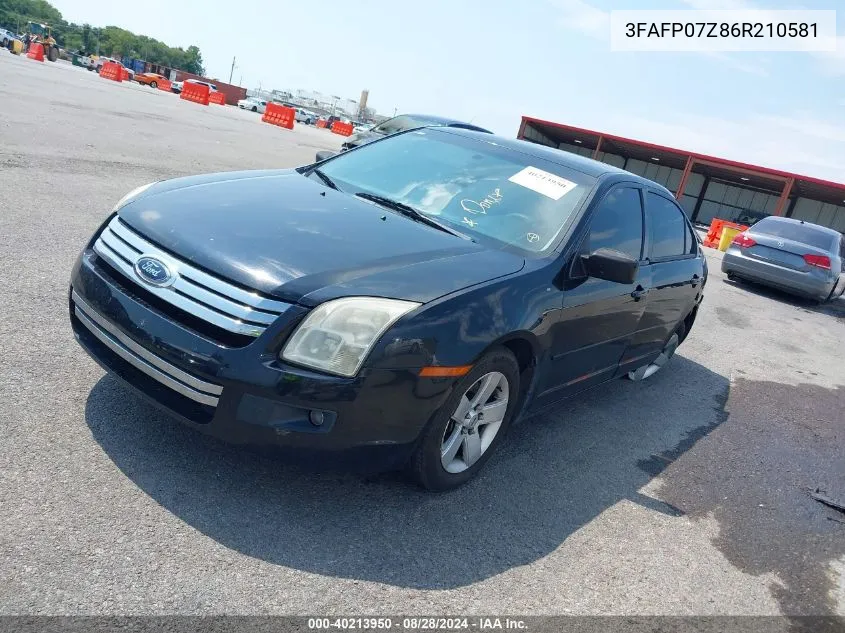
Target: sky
[492,61]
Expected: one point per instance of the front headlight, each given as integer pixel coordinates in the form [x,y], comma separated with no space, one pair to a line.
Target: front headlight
[129,197]
[337,335]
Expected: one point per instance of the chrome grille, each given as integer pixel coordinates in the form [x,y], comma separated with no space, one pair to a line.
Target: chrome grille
[141,358]
[205,296]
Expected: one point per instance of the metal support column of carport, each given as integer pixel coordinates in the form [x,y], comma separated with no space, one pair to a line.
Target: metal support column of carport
[691,162]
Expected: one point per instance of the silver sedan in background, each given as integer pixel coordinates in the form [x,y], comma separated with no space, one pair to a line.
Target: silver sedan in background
[796,256]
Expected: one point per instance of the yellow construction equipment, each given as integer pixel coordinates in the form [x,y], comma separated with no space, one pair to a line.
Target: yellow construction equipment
[16,46]
[43,34]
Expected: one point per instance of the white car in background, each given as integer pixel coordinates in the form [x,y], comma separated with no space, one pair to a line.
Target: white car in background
[6,37]
[96,63]
[306,116]
[176,86]
[253,104]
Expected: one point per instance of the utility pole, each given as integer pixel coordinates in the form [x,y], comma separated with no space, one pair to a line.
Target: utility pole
[232,72]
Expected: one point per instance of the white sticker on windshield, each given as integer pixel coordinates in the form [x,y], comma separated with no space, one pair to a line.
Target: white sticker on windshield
[543,182]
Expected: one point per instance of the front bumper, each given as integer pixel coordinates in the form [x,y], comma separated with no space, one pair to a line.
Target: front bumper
[246,395]
[814,284]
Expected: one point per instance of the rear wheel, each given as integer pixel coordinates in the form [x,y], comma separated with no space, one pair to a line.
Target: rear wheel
[466,430]
[254,108]
[153,84]
[52,53]
[666,354]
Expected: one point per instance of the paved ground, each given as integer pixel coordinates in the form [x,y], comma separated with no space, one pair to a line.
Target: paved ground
[683,495]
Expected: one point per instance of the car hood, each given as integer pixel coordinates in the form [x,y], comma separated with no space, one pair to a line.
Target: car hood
[288,236]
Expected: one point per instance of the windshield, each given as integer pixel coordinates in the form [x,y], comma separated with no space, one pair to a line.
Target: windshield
[803,233]
[478,188]
[402,123]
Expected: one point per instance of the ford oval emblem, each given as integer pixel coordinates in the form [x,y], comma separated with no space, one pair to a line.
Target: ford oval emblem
[153,271]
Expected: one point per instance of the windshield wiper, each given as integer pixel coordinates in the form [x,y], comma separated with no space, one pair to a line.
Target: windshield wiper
[322,176]
[410,212]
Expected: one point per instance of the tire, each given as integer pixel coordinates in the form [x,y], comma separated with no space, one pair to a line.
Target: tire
[153,84]
[255,108]
[53,53]
[669,349]
[498,372]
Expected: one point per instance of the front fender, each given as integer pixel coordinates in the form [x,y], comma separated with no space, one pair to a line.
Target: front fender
[457,329]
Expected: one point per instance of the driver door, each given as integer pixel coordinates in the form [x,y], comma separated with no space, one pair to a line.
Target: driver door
[599,318]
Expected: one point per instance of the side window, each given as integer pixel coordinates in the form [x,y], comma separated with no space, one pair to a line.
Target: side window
[667,228]
[618,223]
[691,245]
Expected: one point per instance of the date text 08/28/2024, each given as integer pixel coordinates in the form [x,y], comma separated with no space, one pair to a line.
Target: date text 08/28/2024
[491,623]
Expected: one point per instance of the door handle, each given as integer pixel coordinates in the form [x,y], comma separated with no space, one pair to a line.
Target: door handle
[695,280]
[639,293]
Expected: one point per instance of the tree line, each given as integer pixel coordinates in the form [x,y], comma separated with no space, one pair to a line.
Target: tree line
[112,41]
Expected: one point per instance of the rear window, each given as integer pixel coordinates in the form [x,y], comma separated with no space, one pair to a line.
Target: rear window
[803,233]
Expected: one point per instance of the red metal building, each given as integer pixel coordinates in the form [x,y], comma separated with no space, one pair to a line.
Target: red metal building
[706,187]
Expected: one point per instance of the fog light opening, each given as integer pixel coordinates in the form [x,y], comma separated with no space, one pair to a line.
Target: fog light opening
[317,418]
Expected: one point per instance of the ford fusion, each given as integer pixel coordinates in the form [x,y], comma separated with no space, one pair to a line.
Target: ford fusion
[396,306]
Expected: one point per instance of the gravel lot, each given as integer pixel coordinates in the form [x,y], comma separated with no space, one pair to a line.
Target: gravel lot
[683,495]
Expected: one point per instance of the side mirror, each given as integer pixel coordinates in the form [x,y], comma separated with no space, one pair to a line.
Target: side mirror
[325,154]
[611,265]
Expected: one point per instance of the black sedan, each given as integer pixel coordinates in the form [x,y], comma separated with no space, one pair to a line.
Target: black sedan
[402,123]
[397,305]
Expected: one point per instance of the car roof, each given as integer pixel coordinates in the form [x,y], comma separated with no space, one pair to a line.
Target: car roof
[446,121]
[585,165]
[782,220]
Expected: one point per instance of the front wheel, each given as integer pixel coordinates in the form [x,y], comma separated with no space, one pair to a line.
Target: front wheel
[153,84]
[254,109]
[466,430]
